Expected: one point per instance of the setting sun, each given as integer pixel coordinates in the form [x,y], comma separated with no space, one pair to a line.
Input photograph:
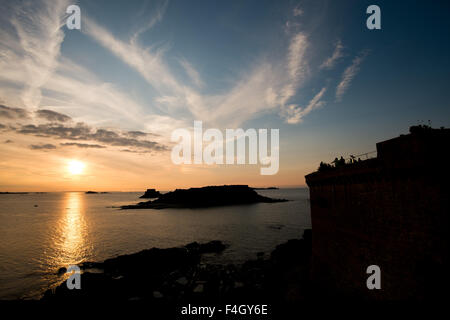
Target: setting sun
[75,167]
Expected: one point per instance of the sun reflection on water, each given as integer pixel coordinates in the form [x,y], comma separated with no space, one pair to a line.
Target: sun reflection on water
[71,230]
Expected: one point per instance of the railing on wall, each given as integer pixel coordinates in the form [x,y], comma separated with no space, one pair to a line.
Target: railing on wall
[339,162]
[365,156]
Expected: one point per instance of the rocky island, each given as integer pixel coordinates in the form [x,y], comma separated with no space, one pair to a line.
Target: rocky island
[268,188]
[150,193]
[13,192]
[204,197]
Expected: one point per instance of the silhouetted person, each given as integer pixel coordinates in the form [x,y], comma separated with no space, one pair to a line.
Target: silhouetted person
[336,162]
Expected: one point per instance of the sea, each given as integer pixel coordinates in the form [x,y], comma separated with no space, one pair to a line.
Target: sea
[42,232]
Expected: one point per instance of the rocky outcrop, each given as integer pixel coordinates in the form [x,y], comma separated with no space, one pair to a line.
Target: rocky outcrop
[205,197]
[150,193]
[172,276]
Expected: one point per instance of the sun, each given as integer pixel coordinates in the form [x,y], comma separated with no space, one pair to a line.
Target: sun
[75,167]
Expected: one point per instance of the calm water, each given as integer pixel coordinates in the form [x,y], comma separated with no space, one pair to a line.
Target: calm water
[71,227]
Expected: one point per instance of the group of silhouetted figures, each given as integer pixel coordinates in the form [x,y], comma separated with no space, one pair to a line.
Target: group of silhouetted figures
[337,163]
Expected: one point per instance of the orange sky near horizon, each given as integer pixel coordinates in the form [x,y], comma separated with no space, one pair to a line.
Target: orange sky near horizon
[23,169]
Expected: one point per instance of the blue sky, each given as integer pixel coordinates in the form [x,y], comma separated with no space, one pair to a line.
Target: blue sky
[310,68]
[404,71]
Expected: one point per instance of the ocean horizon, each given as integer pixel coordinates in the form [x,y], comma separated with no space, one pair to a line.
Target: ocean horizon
[43,232]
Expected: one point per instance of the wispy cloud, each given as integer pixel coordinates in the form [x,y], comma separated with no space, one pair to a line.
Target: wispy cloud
[192,73]
[264,88]
[39,33]
[297,11]
[52,115]
[157,16]
[31,63]
[137,134]
[47,146]
[349,73]
[269,86]
[296,57]
[62,127]
[149,63]
[81,131]
[294,114]
[13,113]
[296,66]
[337,54]
[82,145]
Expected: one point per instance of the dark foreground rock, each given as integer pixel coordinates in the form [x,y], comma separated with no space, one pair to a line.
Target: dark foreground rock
[150,193]
[176,276]
[205,197]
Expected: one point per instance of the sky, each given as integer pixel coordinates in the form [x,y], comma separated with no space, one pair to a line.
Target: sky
[108,96]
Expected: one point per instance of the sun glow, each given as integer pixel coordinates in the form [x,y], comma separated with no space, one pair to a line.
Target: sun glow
[75,167]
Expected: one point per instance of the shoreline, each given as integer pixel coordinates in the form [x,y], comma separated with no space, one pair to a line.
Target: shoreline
[177,275]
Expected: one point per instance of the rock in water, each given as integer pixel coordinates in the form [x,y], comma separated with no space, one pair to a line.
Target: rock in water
[150,193]
[205,197]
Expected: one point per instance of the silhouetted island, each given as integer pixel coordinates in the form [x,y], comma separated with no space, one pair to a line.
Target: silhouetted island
[268,188]
[96,192]
[13,192]
[210,196]
[150,193]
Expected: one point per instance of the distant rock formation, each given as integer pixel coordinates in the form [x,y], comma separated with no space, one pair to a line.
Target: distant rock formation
[150,193]
[13,192]
[210,196]
[91,192]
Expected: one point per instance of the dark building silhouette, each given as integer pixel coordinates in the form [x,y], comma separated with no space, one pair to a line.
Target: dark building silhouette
[391,211]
